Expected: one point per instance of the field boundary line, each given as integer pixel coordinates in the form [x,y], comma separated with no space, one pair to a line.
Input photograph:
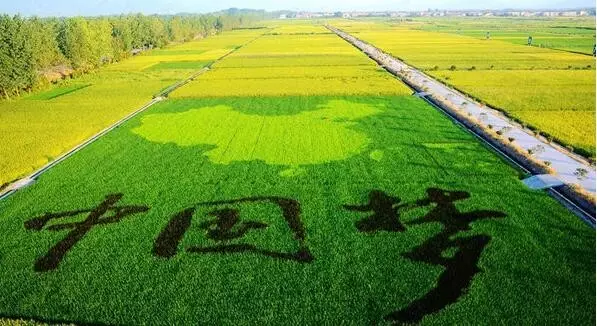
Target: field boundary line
[563,199]
[529,129]
[166,92]
[563,50]
[181,83]
[23,182]
[404,72]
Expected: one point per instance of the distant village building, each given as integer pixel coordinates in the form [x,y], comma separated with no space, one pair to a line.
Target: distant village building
[564,13]
[441,13]
[399,14]
[569,14]
[521,13]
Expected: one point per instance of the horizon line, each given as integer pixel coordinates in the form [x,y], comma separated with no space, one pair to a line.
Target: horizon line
[578,8]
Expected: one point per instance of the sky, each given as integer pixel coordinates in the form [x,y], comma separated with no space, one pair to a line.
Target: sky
[104,7]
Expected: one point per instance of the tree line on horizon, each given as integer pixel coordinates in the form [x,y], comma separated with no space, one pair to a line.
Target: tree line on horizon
[31,48]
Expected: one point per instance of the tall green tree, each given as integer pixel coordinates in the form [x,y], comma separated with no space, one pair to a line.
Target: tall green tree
[176,29]
[17,66]
[101,34]
[75,41]
[43,38]
[122,37]
[158,32]
[30,47]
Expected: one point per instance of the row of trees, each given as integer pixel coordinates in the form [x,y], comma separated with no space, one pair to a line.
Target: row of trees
[31,47]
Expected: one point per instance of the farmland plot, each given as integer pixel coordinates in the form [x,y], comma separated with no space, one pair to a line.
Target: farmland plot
[327,209]
[549,90]
[551,99]
[288,64]
[39,127]
[563,33]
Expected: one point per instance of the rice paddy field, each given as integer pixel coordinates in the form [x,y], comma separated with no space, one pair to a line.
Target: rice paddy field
[291,61]
[37,128]
[550,90]
[561,33]
[293,183]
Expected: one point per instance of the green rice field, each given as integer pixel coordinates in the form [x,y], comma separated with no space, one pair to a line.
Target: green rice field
[295,182]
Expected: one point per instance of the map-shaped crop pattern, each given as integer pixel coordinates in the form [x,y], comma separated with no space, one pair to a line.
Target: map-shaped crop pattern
[309,137]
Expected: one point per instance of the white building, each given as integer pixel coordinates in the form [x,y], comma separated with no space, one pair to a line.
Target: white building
[569,13]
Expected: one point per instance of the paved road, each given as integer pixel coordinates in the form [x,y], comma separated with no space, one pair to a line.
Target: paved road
[564,163]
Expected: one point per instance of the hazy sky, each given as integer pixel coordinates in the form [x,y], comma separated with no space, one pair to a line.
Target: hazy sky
[99,7]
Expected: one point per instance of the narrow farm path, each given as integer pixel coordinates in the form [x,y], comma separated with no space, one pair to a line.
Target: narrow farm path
[185,81]
[570,168]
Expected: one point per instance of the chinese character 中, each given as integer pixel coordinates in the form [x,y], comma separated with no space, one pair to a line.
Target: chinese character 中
[78,230]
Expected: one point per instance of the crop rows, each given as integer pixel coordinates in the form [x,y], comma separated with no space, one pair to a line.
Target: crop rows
[228,203]
[552,91]
[569,34]
[37,128]
[278,65]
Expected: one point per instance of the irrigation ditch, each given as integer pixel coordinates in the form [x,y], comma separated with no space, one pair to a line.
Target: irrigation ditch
[579,201]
